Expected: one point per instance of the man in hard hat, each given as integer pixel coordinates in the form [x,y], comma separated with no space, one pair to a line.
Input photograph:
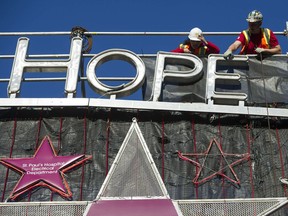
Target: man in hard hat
[197,45]
[255,39]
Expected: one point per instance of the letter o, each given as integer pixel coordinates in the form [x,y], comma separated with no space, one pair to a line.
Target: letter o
[116,54]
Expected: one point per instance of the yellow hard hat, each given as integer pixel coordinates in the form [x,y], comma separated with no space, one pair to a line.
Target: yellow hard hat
[255,16]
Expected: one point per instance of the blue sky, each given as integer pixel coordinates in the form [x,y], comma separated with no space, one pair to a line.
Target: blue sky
[130,16]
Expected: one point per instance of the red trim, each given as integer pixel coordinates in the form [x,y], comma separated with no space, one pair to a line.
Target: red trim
[36,145]
[243,157]
[10,155]
[84,152]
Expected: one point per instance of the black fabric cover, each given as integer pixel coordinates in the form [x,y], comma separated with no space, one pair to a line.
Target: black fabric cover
[100,133]
[270,74]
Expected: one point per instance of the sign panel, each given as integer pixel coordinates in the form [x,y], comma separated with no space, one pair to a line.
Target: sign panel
[44,169]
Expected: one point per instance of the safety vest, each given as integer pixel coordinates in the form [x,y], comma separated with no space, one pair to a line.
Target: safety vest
[265,40]
[199,51]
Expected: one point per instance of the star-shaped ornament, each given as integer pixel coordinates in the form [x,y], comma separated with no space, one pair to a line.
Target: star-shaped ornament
[208,169]
[44,169]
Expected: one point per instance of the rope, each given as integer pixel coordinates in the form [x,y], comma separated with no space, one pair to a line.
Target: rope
[249,142]
[107,142]
[39,129]
[268,122]
[250,162]
[281,161]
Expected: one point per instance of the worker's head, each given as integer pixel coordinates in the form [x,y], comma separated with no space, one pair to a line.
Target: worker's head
[255,16]
[254,20]
[194,37]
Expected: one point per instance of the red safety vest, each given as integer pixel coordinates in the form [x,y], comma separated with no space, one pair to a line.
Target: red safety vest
[265,40]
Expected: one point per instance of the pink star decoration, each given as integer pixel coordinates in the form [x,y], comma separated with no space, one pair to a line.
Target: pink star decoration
[225,165]
[44,169]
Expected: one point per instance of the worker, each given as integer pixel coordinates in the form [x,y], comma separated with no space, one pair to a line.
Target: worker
[196,44]
[255,39]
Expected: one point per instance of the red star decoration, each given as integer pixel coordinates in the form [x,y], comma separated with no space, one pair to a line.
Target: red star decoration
[44,169]
[222,169]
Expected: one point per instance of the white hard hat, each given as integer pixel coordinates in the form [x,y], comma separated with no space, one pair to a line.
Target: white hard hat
[255,16]
[194,34]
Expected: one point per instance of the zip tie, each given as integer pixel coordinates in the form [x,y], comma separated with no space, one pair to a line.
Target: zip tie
[284,180]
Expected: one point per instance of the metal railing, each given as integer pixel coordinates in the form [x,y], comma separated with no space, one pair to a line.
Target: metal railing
[284,33]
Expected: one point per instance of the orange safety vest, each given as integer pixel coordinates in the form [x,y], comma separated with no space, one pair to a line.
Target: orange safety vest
[265,40]
[199,51]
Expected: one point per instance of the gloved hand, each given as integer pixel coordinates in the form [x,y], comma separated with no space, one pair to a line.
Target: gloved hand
[228,55]
[259,50]
[185,48]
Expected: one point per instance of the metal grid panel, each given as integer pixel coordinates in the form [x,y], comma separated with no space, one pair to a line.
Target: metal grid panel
[247,207]
[43,209]
[134,175]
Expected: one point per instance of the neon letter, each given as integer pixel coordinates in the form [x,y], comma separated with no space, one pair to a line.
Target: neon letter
[21,65]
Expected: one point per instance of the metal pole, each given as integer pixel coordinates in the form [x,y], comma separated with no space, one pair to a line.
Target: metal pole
[64,79]
[121,33]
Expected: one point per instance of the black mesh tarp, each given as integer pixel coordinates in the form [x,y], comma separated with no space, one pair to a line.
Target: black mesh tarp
[100,133]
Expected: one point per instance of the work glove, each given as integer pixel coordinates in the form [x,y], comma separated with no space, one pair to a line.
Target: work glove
[259,50]
[228,55]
